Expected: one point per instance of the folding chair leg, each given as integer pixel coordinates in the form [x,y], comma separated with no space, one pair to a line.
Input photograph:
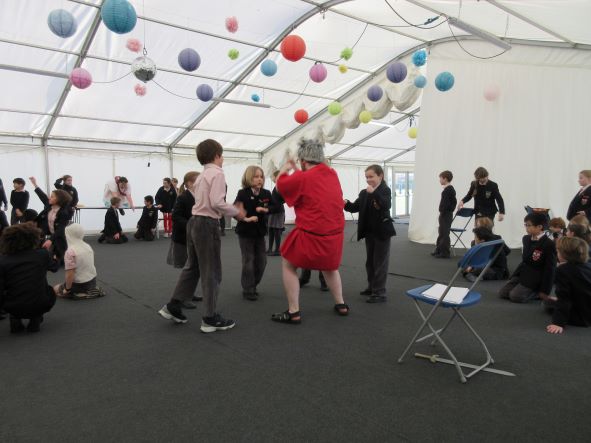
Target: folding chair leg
[489,359]
[425,321]
[442,330]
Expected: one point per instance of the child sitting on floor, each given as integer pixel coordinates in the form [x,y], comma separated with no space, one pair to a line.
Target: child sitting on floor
[572,304]
[557,228]
[148,222]
[79,265]
[112,233]
[534,276]
[498,270]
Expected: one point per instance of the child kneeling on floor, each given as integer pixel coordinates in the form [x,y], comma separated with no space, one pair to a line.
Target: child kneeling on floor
[113,233]
[79,265]
[24,291]
[498,269]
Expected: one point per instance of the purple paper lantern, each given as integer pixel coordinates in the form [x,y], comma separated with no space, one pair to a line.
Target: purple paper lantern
[318,73]
[204,92]
[189,59]
[375,93]
[396,72]
[81,78]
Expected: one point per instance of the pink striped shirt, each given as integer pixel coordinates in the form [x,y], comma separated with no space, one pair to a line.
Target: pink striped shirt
[210,190]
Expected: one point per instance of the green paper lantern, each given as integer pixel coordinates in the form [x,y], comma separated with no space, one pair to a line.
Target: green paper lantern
[365,116]
[233,54]
[335,108]
[413,132]
[346,53]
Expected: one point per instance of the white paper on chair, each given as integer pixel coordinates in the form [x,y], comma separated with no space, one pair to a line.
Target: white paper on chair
[455,295]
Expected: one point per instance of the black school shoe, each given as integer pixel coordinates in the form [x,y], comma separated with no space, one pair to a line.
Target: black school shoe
[16,325]
[173,311]
[216,323]
[250,295]
[35,324]
[376,299]
[366,292]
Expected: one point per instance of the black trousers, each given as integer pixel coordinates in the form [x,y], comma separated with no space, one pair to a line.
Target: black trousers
[43,304]
[307,274]
[254,262]
[275,237]
[376,263]
[143,233]
[15,219]
[443,244]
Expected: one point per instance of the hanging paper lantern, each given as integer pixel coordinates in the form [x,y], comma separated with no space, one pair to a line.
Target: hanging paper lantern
[204,92]
[119,16]
[343,69]
[81,78]
[189,59]
[492,92]
[233,54]
[134,45]
[269,68]
[420,81]
[232,24]
[301,116]
[419,58]
[413,132]
[318,73]
[140,90]
[396,72]
[365,116]
[255,98]
[375,93]
[293,47]
[62,23]
[144,69]
[335,108]
[346,53]
[444,81]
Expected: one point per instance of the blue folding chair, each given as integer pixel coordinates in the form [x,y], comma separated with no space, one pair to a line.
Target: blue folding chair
[479,256]
[468,213]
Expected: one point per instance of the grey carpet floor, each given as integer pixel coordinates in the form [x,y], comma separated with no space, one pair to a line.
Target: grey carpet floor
[112,370]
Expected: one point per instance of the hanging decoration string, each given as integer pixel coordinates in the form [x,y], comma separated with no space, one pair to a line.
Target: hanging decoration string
[354,44]
[411,25]
[172,93]
[300,95]
[468,52]
[113,81]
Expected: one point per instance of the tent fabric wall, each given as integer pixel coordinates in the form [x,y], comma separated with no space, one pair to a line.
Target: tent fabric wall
[533,139]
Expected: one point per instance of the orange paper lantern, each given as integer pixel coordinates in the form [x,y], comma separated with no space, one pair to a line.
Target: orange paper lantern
[293,48]
[301,116]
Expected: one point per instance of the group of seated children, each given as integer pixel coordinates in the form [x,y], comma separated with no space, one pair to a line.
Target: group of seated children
[112,233]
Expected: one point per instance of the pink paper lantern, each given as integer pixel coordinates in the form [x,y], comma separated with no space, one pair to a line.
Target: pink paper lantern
[140,90]
[232,24]
[318,73]
[492,92]
[134,45]
[81,78]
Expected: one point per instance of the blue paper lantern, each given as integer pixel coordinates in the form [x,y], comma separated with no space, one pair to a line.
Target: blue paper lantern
[396,72]
[204,92]
[269,68]
[255,98]
[419,58]
[119,16]
[62,23]
[444,81]
[189,59]
[375,93]
[420,81]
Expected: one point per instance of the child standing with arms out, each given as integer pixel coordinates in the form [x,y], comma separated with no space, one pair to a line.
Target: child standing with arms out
[204,242]
[534,276]
[276,220]
[146,226]
[375,225]
[165,198]
[572,304]
[255,200]
[112,232]
[486,196]
[19,200]
[447,205]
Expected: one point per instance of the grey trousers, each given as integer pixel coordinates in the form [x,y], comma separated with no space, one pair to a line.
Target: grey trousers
[516,292]
[203,261]
[376,263]
[254,261]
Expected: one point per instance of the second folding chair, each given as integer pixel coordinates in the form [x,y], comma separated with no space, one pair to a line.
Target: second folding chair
[466,213]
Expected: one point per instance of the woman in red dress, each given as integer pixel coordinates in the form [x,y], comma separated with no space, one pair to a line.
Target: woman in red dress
[317,240]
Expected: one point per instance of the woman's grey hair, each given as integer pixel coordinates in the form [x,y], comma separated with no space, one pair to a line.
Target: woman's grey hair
[311,151]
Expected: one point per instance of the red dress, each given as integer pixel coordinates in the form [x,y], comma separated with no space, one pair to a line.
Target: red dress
[317,241]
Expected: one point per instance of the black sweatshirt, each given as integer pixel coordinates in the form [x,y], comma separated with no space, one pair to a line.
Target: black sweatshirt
[448,199]
[69,189]
[181,214]
[573,290]
[536,271]
[373,209]
[166,199]
[277,202]
[3,199]
[251,202]
[580,202]
[149,218]
[485,197]
[62,219]
[112,225]
[19,200]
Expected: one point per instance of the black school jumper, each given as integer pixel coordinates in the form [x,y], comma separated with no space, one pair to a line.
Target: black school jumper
[59,184]
[252,238]
[112,227]
[62,219]
[486,199]
[573,290]
[146,224]
[373,209]
[3,201]
[18,200]
[447,204]
[580,202]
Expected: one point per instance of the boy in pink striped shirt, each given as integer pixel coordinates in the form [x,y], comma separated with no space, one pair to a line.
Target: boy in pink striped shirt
[203,242]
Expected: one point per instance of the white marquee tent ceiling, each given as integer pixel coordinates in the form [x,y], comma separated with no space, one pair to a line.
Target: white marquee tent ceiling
[40,103]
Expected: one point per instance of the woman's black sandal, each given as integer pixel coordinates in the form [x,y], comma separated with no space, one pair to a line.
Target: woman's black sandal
[342,309]
[294,318]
